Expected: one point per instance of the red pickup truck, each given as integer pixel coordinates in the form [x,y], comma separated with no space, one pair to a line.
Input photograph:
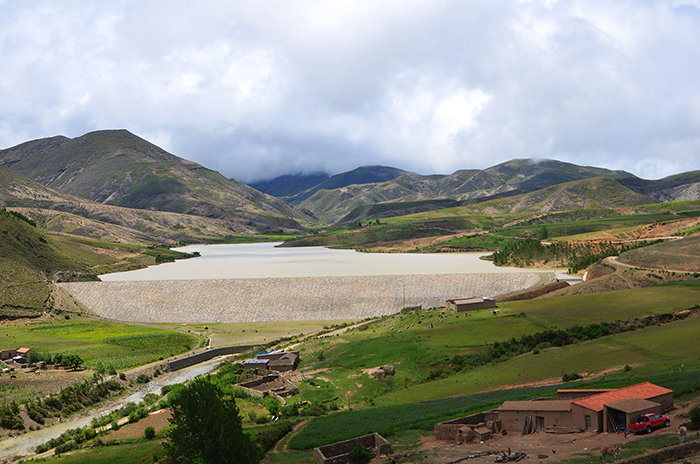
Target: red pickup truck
[647,422]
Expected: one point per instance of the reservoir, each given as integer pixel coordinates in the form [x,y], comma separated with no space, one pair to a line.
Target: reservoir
[260,282]
[266,260]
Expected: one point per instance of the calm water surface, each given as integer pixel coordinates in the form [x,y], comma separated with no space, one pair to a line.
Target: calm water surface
[260,260]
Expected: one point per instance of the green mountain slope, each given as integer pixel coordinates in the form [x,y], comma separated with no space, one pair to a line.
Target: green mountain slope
[599,192]
[333,205]
[115,167]
[27,258]
[60,212]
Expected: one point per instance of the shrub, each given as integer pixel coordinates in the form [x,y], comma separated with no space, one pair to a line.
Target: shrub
[570,377]
[68,446]
[149,433]
[695,418]
[360,454]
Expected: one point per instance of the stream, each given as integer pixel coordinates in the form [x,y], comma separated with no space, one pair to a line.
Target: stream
[23,444]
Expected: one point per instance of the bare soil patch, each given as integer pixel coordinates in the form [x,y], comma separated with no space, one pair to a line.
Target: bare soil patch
[158,420]
[47,381]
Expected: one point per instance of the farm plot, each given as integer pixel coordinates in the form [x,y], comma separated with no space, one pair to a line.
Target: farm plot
[98,343]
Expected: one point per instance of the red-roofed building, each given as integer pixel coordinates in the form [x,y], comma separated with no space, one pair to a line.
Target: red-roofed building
[595,410]
[24,352]
[613,410]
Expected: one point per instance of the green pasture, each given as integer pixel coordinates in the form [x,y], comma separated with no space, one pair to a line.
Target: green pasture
[408,341]
[98,343]
[250,333]
[566,311]
[134,452]
[648,351]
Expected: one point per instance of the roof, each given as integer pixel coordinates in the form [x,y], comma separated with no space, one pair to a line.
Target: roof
[548,405]
[24,350]
[592,391]
[256,361]
[632,405]
[461,301]
[643,390]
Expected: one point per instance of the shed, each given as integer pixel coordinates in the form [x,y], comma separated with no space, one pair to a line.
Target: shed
[470,304]
[8,354]
[624,412]
[597,411]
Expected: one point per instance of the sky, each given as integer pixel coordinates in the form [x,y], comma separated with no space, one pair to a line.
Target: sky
[257,89]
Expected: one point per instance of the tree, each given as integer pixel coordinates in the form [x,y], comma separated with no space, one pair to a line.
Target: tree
[273,405]
[206,427]
[149,433]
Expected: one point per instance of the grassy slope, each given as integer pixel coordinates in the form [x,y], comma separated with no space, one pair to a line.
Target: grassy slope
[677,255]
[108,344]
[653,353]
[416,348]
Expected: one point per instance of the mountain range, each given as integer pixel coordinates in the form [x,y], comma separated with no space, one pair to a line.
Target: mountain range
[115,185]
[528,182]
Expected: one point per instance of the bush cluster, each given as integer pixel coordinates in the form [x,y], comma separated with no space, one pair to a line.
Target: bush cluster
[576,256]
[265,440]
[9,417]
[502,351]
[78,396]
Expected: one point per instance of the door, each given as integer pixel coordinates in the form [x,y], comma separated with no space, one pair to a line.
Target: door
[539,423]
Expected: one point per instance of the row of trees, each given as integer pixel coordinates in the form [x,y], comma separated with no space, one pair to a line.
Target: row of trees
[71,360]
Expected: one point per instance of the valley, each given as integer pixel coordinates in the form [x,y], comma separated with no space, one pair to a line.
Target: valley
[109,201]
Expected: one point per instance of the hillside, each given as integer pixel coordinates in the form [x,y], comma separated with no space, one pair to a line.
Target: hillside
[287,186]
[674,255]
[599,192]
[27,258]
[333,205]
[115,167]
[60,212]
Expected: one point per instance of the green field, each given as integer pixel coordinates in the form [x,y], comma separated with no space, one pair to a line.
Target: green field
[99,343]
[136,452]
[426,358]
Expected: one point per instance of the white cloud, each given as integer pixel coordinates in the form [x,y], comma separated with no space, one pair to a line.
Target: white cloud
[258,89]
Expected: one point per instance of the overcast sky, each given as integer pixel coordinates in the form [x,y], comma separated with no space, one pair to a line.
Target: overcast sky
[257,89]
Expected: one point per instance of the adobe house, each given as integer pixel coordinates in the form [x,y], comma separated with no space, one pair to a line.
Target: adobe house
[601,411]
[280,360]
[596,410]
[8,354]
[616,409]
[13,353]
[460,305]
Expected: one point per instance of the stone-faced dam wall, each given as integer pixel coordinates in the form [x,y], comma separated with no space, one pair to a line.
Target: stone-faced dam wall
[287,299]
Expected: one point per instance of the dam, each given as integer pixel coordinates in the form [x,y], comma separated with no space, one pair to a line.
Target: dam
[287,298]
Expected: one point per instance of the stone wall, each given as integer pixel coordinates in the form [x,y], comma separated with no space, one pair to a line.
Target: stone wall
[206,356]
[670,453]
[448,430]
[339,453]
[286,299]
